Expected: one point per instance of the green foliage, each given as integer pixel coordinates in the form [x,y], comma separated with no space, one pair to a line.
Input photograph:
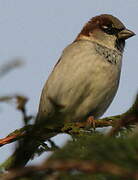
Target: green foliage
[96,148]
[83,176]
[100,149]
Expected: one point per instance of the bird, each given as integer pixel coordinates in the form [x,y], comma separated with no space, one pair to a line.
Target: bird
[85,79]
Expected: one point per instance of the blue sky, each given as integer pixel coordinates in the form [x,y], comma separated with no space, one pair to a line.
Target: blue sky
[37,32]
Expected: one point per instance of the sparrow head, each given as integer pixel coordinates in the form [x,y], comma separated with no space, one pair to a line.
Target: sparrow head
[107,30]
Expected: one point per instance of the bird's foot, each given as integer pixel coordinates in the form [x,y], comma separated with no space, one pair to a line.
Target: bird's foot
[89,122]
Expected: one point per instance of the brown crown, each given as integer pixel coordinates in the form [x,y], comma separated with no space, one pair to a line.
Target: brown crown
[98,21]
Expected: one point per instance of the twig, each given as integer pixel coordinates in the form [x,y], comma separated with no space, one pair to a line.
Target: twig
[20,101]
[6,68]
[17,134]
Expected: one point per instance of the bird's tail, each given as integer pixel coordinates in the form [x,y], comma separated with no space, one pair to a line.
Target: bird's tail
[23,153]
[28,146]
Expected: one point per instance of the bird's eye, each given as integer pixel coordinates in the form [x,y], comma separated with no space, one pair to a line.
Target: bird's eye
[110,30]
[105,27]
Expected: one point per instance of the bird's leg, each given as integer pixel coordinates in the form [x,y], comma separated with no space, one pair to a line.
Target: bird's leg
[91,122]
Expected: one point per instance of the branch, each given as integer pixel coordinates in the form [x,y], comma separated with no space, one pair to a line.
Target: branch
[69,128]
[16,135]
[126,119]
[6,68]
[118,121]
[82,166]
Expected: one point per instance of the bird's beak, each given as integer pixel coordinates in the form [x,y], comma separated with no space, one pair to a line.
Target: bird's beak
[125,34]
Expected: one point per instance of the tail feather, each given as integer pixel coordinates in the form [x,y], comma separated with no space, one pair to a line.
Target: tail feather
[28,146]
[24,153]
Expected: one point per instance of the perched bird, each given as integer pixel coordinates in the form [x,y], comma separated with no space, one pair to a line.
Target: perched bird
[85,80]
[86,77]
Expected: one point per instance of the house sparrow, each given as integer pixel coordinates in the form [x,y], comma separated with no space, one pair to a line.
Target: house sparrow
[84,81]
[86,77]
